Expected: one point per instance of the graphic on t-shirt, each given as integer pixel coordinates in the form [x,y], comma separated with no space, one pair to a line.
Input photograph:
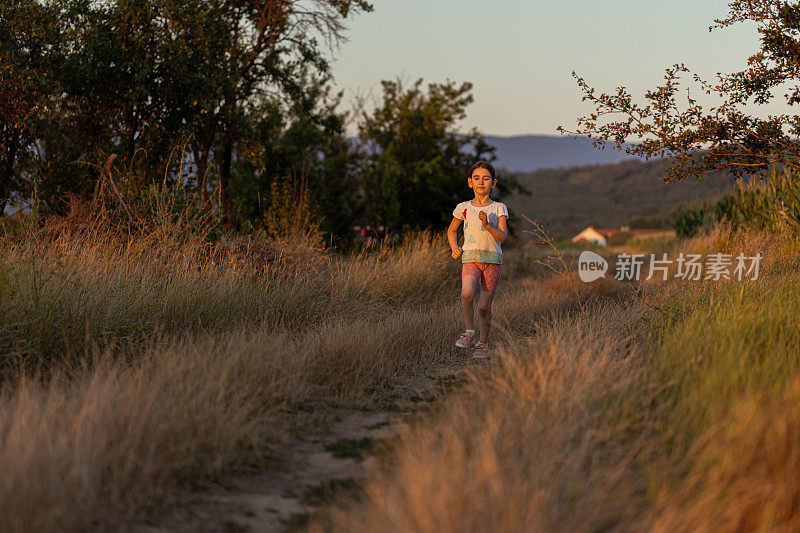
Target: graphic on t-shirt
[479,245]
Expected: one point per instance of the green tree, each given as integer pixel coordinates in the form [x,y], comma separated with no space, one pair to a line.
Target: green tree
[304,143]
[722,137]
[27,31]
[140,77]
[416,161]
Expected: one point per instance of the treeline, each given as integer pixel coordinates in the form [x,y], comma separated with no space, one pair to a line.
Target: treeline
[228,101]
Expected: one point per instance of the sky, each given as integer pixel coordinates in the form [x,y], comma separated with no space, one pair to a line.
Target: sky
[519,53]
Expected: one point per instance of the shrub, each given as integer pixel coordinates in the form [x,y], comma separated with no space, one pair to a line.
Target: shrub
[771,204]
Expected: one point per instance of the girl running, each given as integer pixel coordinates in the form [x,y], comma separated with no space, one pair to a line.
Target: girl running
[481,257]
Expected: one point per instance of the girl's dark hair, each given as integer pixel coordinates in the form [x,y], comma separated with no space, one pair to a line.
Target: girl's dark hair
[482,164]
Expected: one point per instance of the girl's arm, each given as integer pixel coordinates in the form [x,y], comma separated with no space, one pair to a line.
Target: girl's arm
[452,237]
[500,233]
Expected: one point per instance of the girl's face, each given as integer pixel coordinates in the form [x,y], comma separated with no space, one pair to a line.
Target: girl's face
[481,181]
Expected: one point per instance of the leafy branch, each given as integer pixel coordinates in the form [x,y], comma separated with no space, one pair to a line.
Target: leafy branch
[724,137]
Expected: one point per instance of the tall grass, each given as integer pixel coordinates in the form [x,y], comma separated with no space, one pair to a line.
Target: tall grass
[729,355]
[61,295]
[142,366]
[522,447]
[674,410]
[165,360]
[771,204]
[135,363]
[118,437]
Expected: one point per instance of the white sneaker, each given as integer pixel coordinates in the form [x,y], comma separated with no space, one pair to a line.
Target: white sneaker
[466,340]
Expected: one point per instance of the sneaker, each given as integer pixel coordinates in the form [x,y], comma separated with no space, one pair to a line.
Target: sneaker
[466,340]
[481,351]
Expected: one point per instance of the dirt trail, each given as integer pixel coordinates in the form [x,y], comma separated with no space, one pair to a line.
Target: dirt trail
[303,473]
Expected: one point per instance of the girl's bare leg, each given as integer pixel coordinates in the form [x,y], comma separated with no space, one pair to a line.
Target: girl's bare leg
[469,285]
[485,314]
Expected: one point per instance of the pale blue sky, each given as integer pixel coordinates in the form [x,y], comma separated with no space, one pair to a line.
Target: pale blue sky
[519,54]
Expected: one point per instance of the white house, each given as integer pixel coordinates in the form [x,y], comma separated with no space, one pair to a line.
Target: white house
[600,236]
[590,235]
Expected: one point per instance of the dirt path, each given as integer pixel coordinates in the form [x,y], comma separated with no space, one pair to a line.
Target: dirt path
[303,473]
[306,470]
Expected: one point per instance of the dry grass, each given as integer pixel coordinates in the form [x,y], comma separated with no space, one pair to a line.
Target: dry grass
[671,408]
[119,436]
[165,365]
[62,296]
[744,471]
[521,448]
[674,410]
[132,367]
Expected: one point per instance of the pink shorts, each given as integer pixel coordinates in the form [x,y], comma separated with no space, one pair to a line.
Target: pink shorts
[487,273]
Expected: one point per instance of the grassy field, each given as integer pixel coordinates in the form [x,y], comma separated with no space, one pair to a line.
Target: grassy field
[674,409]
[135,366]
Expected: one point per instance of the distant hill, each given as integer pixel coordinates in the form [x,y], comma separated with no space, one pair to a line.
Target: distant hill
[566,200]
[531,152]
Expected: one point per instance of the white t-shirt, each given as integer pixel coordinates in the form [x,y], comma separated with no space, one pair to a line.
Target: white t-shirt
[479,245]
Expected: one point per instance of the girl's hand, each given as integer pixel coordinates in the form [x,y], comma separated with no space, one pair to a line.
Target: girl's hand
[457,252]
[482,216]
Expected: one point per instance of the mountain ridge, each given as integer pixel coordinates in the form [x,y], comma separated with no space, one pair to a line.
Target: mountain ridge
[526,153]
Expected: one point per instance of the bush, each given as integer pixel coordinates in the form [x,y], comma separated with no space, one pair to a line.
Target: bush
[619,238]
[771,204]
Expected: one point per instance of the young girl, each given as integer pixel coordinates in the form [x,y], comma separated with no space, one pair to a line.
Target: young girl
[481,257]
